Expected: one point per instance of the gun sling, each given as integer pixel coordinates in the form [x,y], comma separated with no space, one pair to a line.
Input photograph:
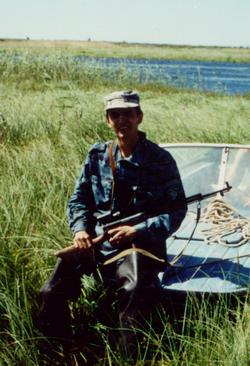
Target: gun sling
[128,251]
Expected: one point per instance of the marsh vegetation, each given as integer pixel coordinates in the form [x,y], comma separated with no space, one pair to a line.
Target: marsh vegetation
[51,112]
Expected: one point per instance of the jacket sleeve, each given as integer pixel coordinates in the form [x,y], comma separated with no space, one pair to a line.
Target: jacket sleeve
[81,203]
[159,227]
[169,193]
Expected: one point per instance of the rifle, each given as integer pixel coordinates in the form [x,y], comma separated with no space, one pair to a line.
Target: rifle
[111,220]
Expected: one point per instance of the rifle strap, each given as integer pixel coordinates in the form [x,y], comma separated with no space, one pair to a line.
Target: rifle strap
[129,251]
[112,162]
[113,166]
[111,158]
[178,256]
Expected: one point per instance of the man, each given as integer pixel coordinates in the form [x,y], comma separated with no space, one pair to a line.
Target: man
[128,175]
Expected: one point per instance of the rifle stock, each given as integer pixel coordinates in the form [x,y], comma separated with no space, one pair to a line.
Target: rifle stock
[72,250]
[67,252]
[130,220]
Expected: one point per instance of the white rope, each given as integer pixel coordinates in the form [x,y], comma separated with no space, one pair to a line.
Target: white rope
[226,221]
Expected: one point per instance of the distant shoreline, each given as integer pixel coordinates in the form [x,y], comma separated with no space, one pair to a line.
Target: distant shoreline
[120,43]
[130,50]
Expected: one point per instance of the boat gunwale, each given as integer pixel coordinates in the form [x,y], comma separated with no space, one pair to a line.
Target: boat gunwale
[201,144]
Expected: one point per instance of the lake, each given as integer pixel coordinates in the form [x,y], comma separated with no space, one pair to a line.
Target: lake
[223,77]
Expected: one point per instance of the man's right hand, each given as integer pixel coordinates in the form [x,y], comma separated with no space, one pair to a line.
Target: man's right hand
[82,240]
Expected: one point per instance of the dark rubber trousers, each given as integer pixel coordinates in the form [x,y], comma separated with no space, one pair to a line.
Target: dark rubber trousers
[63,285]
[133,277]
[137,278]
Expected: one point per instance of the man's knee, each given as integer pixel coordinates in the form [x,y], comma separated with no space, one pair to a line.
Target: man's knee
[137,272]
[47,292]
[64,282]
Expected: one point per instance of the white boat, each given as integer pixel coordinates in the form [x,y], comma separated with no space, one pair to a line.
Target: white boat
[211,253]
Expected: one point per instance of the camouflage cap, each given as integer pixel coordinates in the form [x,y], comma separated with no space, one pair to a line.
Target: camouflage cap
[122,99]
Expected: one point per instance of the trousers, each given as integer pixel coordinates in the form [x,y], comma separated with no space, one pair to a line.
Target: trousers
[132,278]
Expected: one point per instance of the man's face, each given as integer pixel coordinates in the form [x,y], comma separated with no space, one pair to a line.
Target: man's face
[124,122]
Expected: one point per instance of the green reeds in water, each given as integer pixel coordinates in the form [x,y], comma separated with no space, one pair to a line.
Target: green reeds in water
[41,70]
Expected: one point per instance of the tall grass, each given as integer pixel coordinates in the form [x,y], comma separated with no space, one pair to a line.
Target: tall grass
[46,127]
[40,71]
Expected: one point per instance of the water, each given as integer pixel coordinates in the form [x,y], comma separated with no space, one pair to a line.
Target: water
[223,77]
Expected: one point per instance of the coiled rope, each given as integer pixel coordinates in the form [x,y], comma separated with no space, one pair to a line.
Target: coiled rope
[226,222]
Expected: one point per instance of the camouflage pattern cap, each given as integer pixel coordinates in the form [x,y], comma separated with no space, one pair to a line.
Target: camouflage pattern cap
[122,99]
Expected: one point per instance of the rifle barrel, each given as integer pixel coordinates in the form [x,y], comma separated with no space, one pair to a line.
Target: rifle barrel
[200,197]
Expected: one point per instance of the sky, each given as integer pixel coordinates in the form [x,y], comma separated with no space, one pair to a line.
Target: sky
[183,22]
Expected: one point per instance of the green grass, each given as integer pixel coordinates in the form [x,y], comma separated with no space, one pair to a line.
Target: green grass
[46,127]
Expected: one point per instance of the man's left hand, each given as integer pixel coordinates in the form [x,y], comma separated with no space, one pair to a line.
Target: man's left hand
[121,234]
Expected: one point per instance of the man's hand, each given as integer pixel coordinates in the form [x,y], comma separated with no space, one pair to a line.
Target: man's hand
[121,234]
[82,240]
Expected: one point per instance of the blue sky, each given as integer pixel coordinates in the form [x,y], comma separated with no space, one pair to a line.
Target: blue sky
[192,22]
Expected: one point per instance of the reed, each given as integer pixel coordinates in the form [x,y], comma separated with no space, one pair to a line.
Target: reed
[46,128]
[40,71]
